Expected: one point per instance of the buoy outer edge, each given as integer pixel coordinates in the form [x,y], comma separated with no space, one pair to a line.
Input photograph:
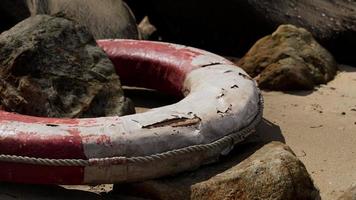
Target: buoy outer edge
[222,105]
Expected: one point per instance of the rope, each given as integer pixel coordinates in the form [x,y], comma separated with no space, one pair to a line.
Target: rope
[218,145]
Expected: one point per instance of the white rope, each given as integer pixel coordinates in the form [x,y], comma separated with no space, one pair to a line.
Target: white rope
[219,146]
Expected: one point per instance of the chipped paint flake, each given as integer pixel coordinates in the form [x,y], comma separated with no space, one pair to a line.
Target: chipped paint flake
[177,122]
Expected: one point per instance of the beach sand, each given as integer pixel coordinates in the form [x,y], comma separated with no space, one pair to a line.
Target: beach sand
[320,127]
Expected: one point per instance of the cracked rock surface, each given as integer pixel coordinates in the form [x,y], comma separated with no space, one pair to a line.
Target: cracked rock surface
[50,66]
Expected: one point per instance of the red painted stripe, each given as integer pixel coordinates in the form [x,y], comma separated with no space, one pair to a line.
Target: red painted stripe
[35,174]
[7,116]
[53,146]
[152,65]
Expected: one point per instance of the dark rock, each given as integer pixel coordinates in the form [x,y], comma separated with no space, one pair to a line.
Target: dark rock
[232,26]
[139,8]
[52,67]
[12,12]
[349,194]
[272,172]
[107,19]
[104,19]
[289,59]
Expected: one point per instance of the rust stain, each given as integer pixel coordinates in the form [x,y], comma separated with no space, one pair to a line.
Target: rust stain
[103,139]
[99,139]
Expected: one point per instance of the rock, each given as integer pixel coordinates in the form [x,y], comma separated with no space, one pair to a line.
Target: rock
[232,26]
[107,19]
[272,172]
[289,59]
[146,29]
[350,194]
[50,66]
[12,12]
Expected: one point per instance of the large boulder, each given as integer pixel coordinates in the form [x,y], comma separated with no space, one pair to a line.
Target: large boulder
[272,172]
[104,19]
[50,66]
[289,59]
[232,26]
[107,19]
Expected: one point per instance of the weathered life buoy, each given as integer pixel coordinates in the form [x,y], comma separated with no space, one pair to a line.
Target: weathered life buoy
[221,107]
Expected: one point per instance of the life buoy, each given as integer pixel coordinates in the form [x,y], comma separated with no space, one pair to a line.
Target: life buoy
[221,107]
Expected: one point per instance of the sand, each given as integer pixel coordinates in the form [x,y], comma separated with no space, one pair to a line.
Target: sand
[320,126]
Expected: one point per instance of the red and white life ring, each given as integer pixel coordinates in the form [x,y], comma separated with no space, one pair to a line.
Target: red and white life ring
[221,106]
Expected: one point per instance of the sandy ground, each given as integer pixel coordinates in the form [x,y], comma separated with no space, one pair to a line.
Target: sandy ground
[320,126]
